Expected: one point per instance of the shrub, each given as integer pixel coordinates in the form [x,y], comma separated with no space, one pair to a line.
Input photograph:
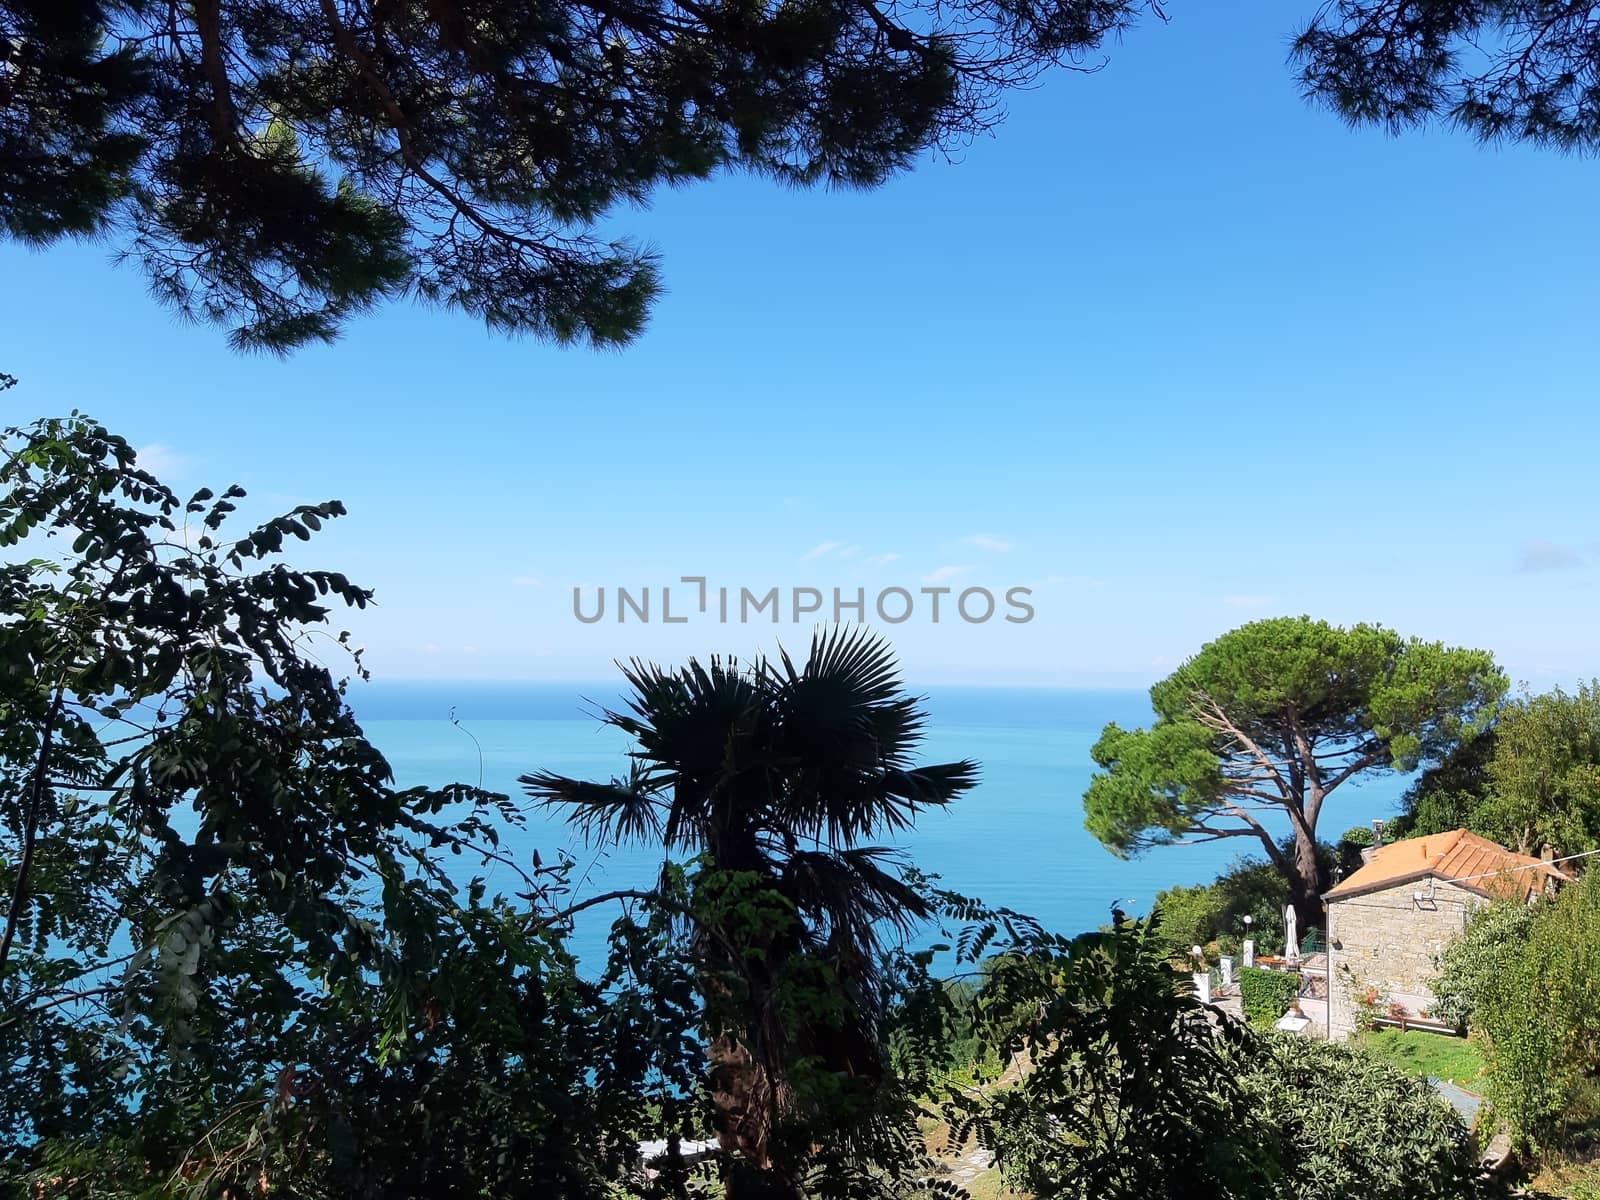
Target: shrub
[1539,1020]
[1369,1002]
[1351,1125]
[1491,946]
[1358,836]
[1266,995]
[1215,912]
[1348,850]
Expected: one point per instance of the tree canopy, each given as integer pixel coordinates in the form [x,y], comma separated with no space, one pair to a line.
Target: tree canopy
[278,165]
[1531,782]
[1502,71]
[1264,723]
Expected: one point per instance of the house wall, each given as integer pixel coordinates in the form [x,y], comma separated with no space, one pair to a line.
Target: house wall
[1388,941]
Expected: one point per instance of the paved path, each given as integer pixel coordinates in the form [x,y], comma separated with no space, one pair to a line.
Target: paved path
[1464,1102]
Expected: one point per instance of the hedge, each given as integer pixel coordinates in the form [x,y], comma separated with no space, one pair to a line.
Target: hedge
[1266,995]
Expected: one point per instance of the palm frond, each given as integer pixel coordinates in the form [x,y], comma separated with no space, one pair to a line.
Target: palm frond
[852,894]
[624,810]
[932,785]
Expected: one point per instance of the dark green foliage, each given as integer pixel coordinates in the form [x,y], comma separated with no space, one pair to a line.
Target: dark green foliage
[1130,1091]
[1444,795]
[1533,781]
[279,165]
[1274,716]
[1544,775]
[1358,836]
[232,951]
[1348,1125]
[1347,853]
[1501,71]
[1266,995]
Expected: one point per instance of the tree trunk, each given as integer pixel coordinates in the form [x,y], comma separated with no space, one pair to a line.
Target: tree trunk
[742,1095]
[1306,884]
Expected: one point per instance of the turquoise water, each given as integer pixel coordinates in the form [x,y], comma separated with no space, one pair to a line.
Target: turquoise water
[1017,839]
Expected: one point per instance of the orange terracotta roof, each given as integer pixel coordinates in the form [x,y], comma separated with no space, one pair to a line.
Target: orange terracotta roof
[1458,857]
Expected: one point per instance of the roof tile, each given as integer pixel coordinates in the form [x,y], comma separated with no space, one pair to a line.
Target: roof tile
[1459,857]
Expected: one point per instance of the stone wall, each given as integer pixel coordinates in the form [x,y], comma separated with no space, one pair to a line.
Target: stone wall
[1388,940]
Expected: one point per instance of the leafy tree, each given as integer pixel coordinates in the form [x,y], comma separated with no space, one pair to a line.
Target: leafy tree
[1531,781]
[234,955]
[1539,1020]
[1122,1085]
[1445,795]
[1501,71]
[777,776]
[1544,775]
[279,165]
[1352,843]
[1266,722]
[1490,946]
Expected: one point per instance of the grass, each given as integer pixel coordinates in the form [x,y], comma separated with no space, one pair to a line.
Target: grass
[1435,1054]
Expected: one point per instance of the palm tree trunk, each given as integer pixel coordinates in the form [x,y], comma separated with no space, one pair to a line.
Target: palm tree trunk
[742,1095]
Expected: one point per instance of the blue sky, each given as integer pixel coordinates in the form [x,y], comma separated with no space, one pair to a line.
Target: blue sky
[1172,349]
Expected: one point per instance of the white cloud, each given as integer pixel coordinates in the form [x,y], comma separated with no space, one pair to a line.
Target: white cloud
[1537,554]
[939,574]
[879,560]
[160,459]
[822,548]
[1248,600]
[989,542]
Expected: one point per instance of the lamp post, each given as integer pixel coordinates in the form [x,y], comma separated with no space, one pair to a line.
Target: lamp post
[1249,948]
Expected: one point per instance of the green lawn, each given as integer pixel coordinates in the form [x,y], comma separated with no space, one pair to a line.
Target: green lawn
[1452,1058]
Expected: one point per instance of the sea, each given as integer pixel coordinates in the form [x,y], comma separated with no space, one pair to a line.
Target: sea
[1016,840]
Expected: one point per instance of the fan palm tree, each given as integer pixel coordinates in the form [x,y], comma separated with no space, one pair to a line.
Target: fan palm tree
[778,778]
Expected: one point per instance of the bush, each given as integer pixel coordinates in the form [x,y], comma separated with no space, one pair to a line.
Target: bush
[1539,1020]
[1348,851]
[1266,995]
[1350,1125]
[1490,947]
[1134,1092]
[1215,912]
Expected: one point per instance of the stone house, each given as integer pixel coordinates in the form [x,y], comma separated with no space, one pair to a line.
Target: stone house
[1388,921]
